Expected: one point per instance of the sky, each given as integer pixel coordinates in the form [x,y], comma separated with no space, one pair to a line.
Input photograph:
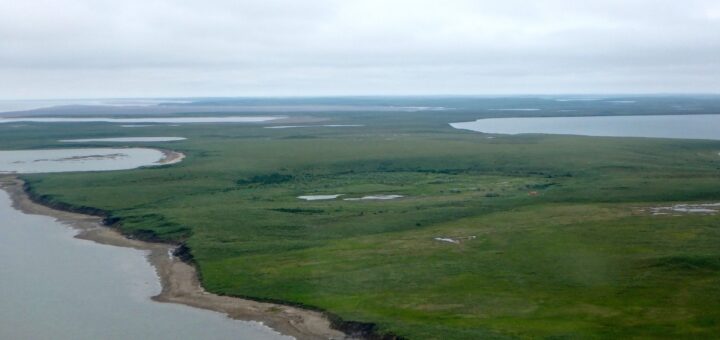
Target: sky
[54,49]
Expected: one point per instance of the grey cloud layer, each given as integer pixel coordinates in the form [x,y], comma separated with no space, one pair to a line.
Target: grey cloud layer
[82,48]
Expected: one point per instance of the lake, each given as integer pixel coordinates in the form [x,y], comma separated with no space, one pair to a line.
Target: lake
[124,140]
[91,159]
[159,120]
[55,286]
[669,126]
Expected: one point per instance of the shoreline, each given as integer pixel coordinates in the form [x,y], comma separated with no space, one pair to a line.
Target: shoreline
[170,157]
[179,280]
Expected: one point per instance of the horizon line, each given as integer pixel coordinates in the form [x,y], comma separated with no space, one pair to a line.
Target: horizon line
[506,95]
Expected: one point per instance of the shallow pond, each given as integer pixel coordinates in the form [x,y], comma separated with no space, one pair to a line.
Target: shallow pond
[54,286]
[671,126]
[319,197]
[64,160]
[124,139]
[374,198]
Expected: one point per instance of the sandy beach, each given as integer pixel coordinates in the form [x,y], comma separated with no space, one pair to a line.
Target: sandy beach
[179,280]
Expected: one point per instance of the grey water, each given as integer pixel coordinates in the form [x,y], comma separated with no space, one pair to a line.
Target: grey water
[178,120]
[124,139]
[55,286]
[64,160]
[655,126]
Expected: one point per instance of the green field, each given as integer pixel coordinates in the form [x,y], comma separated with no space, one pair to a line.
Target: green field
[577,258]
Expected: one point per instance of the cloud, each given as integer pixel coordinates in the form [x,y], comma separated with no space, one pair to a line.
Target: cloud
[100,48]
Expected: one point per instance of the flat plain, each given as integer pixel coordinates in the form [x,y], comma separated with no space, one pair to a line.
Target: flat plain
[553,236]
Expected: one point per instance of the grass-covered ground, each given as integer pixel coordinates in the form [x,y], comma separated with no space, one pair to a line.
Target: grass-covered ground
[577,258]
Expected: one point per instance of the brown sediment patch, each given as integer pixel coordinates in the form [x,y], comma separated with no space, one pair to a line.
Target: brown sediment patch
[179,280]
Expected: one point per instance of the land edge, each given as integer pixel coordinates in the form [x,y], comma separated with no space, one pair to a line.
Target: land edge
[170,157]
[179,277]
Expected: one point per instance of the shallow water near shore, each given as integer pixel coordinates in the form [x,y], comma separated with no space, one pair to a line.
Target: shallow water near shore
[54,286]
[669,126]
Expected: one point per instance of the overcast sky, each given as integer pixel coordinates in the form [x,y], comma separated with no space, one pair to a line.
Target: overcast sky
[146,48]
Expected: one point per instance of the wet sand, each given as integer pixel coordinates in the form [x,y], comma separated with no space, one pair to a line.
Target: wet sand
[179,280]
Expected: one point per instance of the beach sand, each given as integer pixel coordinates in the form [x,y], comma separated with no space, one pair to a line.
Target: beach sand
[179,280]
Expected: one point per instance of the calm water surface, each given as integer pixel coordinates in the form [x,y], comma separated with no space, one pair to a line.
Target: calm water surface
[54,286]
[178,120]
[124,139]
[671,126]
[63,160]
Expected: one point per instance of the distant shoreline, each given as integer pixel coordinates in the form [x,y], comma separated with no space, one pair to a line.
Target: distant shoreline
[179,280]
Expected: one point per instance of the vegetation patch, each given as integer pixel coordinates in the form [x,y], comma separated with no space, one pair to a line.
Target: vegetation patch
[273,178]
[299,210]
